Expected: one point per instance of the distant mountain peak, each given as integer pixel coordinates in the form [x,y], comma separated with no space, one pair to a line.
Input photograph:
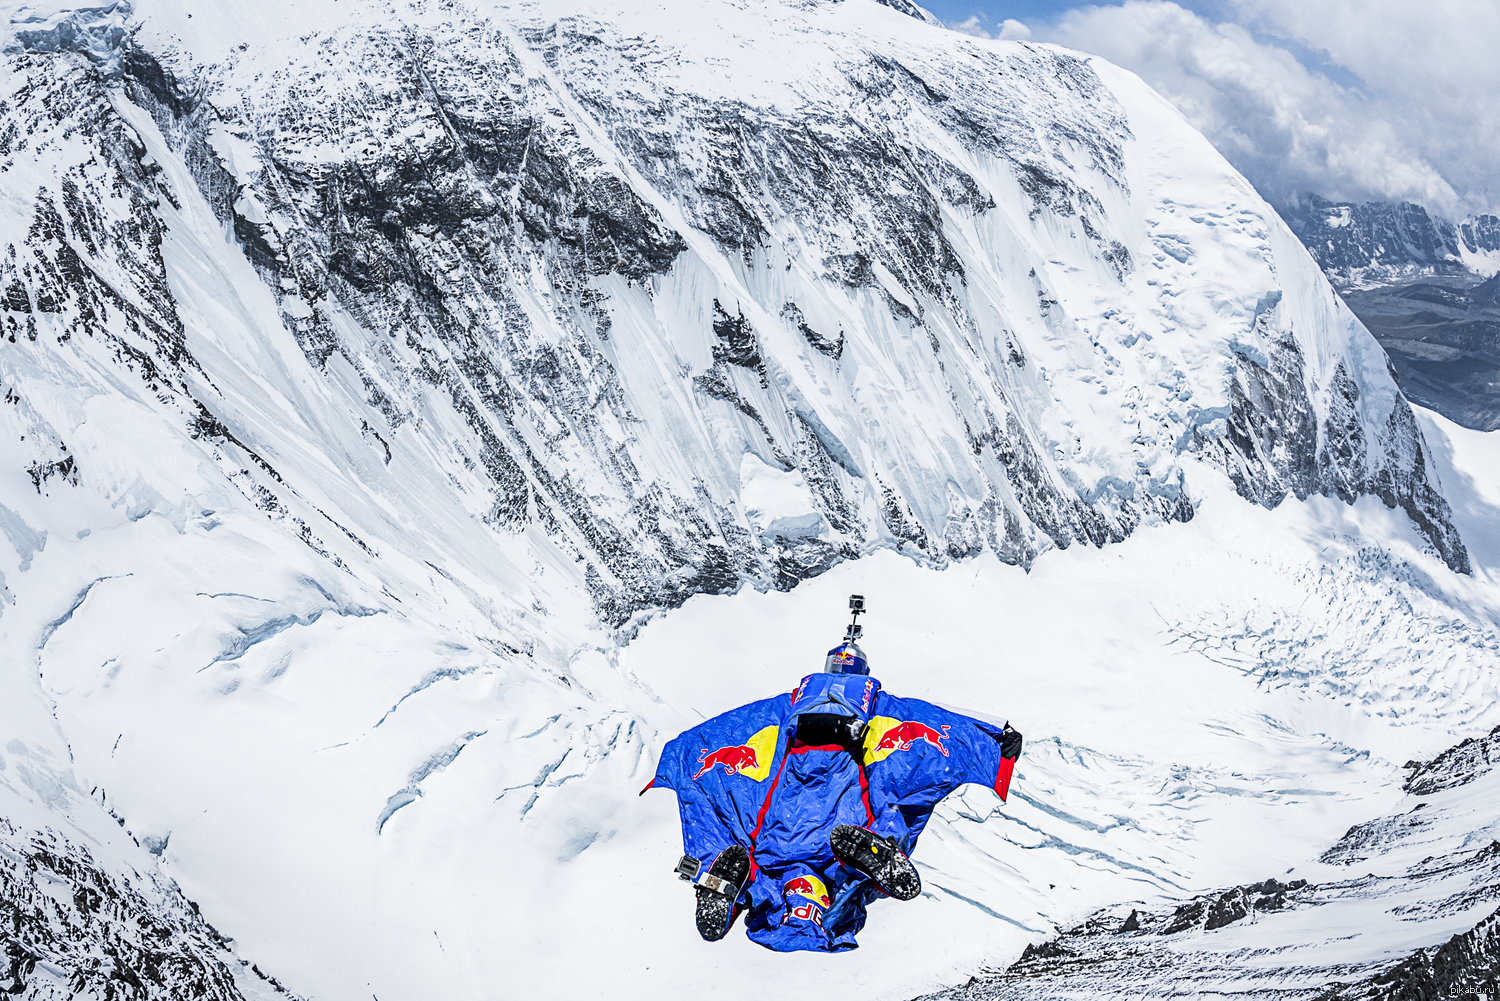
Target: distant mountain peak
[1364,243]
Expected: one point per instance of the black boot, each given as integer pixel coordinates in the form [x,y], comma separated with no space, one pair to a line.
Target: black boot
[879,858]
[718,891]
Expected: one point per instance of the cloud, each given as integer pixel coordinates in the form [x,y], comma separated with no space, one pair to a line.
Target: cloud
[1013,30]
[1413,116]
[971,25]
[1429,68]
[1009,29]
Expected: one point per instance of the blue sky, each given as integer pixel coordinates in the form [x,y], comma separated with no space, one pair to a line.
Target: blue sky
[1350,99]
[1040,15]
[1034,12]
[1022,10]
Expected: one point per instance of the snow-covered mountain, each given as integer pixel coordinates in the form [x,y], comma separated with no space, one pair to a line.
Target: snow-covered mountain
[1425,287]
[911,278]
[1370,244]
[373,371]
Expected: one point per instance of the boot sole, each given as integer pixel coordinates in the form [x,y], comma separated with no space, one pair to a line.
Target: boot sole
[877,858]
[715,911]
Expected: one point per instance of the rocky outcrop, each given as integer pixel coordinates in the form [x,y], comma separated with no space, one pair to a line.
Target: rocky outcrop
[69,928]
[1372,243]
[1432,865]
[1467,965]
[1459,765]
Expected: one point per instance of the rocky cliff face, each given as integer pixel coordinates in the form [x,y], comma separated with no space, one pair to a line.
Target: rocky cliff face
[1376,243]
[540,221]
[75,929]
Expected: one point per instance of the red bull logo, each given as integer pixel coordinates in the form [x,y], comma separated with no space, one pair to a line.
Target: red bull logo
[733,760]
[752,758]
[886,736]
[810,887]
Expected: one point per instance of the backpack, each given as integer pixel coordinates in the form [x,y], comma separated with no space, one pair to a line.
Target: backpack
[833,709]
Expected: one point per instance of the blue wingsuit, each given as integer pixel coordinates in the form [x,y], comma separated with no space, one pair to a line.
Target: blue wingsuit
[745,777]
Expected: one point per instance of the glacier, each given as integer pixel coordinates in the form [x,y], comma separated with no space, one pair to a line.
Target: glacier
[417,411]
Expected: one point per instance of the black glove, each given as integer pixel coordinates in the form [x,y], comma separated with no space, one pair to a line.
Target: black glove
[1010,742]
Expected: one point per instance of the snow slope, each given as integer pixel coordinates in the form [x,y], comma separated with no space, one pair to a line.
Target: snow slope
[374,372]
[1402,905]
[1204,705]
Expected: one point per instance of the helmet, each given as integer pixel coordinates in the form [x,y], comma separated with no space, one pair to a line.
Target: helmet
[846,658]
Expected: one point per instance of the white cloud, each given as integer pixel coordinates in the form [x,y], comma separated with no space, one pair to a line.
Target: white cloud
[1431,68]
[972,25]
[1009,29]
[1013,30]
[1421,124]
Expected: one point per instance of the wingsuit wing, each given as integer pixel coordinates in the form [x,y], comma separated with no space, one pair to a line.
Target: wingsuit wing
[916,753]
[720,770]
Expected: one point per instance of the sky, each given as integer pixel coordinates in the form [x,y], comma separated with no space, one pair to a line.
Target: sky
[1348,99]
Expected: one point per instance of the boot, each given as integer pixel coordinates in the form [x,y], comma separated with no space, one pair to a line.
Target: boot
[879,858]
[718,891]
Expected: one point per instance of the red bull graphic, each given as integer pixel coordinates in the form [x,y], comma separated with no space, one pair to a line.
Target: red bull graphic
[810,887]
[752,758]
[809,912]
[886,736]
[732,759]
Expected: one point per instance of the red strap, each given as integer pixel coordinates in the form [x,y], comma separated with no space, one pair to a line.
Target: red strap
[801,748]
[1002,778]
[864,792]
[761,817]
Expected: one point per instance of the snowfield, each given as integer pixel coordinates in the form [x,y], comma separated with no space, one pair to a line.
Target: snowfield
[414,414]
[1204,705]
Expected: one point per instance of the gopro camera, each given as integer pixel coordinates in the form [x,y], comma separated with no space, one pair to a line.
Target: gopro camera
[856,607]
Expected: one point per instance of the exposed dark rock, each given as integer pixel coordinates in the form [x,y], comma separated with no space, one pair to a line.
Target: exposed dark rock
[1456,766]
[69,928]
[65,469]
[736,339]
[1466,966]
[1157,953]
[832,347]
[1292,454]
[1357,243]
